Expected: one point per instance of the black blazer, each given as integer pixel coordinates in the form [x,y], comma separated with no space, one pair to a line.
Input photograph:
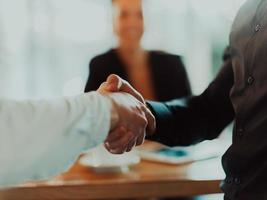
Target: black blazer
[168,73]
[239,93]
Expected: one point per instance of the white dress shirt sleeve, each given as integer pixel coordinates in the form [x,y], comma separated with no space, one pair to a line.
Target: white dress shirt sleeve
[39,139]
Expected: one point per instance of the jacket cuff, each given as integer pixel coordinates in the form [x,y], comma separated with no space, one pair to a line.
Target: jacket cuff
[163,117]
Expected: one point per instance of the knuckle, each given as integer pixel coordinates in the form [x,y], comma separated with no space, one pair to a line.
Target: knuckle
[143,107]
[122,133]
[131,135]
[144,122]
[130,149]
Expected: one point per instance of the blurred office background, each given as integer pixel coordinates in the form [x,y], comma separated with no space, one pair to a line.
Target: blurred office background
[46,45]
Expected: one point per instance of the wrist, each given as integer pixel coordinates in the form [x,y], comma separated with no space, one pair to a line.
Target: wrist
[113,111]
[152,129]
[114,115]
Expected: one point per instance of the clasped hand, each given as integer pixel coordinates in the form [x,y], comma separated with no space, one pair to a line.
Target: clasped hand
[130,117]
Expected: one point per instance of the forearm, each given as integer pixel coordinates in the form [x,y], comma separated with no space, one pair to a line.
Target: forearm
[185,122]
[177,125]
[194,119]
[40,139]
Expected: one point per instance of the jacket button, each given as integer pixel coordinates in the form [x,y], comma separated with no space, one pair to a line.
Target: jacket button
[229,180]
[250,80]
[237,181]
[257,28]
[240,132]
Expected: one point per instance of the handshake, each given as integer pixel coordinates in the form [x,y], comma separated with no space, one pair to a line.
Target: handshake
[131,120]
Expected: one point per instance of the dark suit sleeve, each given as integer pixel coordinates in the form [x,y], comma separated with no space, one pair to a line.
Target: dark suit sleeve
[96,77]
[192,120]
[181,76]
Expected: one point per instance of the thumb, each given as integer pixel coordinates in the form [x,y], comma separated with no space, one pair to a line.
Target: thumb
[114,83]
[103,88]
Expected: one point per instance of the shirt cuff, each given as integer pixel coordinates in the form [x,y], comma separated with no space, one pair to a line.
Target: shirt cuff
[97,118]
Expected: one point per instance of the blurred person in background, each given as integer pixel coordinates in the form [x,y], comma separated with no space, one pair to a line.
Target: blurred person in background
[156,75]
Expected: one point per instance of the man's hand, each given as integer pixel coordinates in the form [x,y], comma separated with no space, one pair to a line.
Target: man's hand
[131,118]
[130,128]
[116,84]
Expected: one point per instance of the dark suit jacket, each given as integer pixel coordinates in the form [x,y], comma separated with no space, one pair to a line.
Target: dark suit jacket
[238,93]
[168,73]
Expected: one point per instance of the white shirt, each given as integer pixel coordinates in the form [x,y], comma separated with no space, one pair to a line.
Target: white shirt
[43,138]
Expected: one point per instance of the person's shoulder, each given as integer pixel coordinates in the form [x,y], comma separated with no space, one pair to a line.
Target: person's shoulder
[166,56]
[169,60]
[102,58]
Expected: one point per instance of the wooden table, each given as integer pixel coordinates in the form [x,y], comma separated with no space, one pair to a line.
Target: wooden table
[145,180]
